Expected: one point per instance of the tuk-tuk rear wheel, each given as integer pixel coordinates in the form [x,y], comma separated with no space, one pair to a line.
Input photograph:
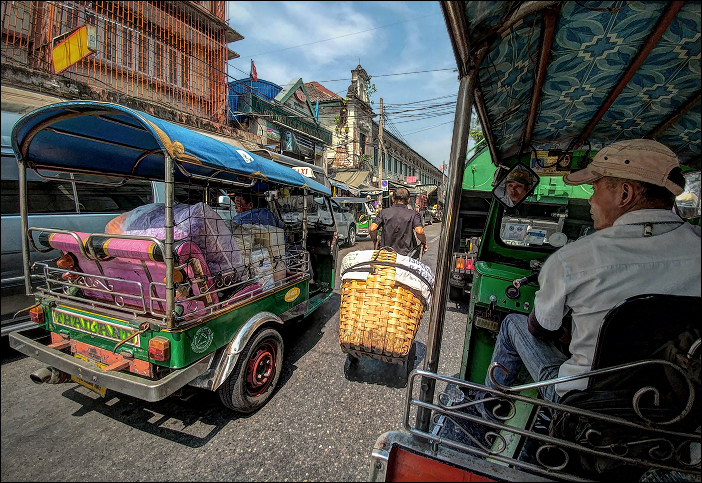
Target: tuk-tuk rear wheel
[253,380]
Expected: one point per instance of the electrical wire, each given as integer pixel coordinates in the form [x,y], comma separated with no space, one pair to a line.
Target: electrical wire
[390,75]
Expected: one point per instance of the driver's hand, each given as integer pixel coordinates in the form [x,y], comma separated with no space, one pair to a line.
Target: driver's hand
[426,247]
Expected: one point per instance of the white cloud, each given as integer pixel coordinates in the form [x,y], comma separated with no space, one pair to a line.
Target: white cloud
[281,25]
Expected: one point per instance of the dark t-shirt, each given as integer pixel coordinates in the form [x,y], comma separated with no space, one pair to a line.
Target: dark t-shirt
[398,224]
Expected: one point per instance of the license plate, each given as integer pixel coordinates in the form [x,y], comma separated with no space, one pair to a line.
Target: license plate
[93,387]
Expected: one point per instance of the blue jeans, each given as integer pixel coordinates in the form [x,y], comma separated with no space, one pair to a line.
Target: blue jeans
[516,347]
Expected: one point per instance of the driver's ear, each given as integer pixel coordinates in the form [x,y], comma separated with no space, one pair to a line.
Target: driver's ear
[627,193]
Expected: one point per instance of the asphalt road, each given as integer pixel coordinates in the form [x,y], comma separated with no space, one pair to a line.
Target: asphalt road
[320,425]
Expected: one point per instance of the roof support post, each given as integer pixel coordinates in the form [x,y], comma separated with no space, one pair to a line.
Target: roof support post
[666,18]
[168,257]
[459,146]
[549,23]
[24,224]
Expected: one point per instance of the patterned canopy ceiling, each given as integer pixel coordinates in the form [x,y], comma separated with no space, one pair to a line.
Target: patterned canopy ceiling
[593,45]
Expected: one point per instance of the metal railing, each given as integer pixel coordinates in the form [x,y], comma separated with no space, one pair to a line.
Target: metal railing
[551,455]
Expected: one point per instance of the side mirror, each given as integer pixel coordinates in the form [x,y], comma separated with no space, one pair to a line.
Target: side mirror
[225,202]
[514,188]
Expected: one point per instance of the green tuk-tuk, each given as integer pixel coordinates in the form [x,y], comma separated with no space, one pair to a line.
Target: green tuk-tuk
[552,84]
[190,291]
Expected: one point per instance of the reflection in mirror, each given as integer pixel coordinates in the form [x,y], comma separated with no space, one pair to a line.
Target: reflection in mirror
[516,186]
[687,204]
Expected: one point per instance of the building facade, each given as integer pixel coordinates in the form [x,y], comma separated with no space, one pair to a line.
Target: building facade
[166,58]
[284,118]
[355,154]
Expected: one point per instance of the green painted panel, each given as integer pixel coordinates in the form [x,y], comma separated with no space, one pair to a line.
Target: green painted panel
[481,347]
[479,172]
[187,346]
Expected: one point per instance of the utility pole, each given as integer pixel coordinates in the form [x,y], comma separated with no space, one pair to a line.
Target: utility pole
[383,156]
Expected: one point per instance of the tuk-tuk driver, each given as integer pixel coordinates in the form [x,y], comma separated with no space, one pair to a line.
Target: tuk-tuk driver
[641,246]
[516,186]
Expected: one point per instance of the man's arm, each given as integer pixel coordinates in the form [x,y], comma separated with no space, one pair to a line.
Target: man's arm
[422,237]
[373,229]
[546,320]
[373,232]
[419,230]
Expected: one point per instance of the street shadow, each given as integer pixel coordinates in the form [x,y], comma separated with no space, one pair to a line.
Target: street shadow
[387,374]
[458,306]
[302,336]
[192,422]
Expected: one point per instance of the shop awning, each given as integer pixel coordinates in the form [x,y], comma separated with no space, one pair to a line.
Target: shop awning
[353,179]
[344,187]
[425,189]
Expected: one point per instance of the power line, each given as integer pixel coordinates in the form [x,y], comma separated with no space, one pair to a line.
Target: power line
[426,129]
[341,36]
[389,75]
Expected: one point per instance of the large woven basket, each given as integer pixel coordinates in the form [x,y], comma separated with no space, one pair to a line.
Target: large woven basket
[379,319]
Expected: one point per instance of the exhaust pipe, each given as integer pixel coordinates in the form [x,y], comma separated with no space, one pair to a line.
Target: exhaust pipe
[49,375]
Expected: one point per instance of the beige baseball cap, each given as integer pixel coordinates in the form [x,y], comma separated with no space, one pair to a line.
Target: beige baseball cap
[638,159]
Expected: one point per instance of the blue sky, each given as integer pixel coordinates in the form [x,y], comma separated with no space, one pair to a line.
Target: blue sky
[419,43]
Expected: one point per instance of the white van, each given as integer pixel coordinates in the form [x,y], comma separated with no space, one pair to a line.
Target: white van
[52,201]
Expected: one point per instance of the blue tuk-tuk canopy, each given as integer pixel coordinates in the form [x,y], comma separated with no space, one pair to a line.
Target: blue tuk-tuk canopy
[113,140]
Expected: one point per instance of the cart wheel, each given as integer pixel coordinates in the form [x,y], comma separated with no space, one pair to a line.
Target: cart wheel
[253,380]
[455,293]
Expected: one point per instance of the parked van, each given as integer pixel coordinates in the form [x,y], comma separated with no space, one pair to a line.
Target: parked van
[306,169]
[60,204]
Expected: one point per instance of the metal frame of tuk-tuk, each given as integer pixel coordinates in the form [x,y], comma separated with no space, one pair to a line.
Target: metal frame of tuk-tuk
[214,366]
[432,447]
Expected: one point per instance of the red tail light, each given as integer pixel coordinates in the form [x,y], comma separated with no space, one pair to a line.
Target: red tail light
[37,314]
[159,349]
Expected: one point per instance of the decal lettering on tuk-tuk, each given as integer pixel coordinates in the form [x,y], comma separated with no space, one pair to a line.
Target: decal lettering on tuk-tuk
[93,326]
[292,294]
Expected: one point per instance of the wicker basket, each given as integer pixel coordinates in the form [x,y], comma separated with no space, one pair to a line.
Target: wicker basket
[379,319]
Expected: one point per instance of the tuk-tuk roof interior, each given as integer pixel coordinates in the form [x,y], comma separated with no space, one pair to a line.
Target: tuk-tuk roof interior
[113,140]
[570,75]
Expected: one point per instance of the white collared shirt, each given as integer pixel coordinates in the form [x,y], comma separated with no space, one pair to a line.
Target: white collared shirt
[596,272]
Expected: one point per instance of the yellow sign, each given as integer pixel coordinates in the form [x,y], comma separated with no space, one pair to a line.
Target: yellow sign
[292,294]
[89,325]
[545,165]
[75,47]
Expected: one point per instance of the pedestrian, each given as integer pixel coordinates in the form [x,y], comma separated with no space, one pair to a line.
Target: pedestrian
[640,247]
[399,226]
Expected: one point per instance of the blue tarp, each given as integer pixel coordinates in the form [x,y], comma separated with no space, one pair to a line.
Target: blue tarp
[118,141]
